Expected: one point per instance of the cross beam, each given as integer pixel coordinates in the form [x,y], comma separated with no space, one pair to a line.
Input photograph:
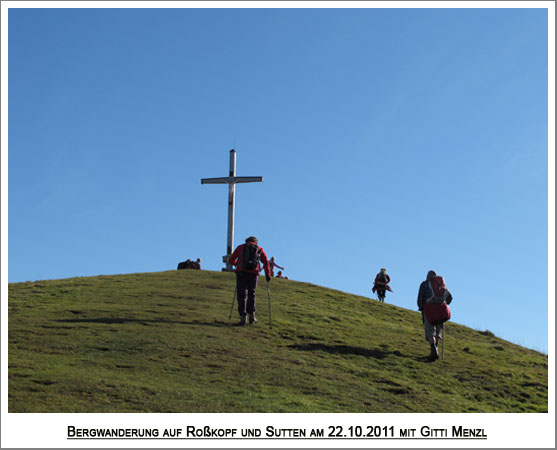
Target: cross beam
[231,180]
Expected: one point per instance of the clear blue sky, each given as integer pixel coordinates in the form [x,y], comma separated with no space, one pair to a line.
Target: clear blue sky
[411,139]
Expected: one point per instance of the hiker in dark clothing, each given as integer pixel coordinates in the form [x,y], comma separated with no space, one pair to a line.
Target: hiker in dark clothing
[196,264]
[246,258]
[184,264]
[432,332]
[381,284]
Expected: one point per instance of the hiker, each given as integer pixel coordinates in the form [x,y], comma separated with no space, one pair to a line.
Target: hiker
[381,284]
[246,258]
[430,293]
[184,264]
[273,264]
[279,274]
[196,264]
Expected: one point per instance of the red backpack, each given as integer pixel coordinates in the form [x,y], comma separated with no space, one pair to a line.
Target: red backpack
[436,309]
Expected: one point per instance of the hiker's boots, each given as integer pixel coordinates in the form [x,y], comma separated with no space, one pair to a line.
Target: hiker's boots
[252,319]
[434,353]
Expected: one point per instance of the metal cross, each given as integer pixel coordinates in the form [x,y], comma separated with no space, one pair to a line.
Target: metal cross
[231,180]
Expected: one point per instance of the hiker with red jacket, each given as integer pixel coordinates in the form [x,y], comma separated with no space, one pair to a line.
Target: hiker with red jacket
[381,284]
[246,258]
[433,293]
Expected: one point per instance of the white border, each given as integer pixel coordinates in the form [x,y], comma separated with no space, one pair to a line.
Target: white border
[503,430]
[284,4]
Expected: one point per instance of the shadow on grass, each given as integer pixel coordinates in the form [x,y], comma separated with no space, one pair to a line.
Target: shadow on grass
[347,350]
[109,321]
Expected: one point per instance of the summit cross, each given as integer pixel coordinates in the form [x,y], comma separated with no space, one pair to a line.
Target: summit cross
[231,180]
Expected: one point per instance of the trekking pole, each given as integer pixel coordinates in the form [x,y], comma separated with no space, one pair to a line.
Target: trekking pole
[443,344]
[269,299]
[232,307]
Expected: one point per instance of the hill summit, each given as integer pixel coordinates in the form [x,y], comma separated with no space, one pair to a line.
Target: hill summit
[163,342]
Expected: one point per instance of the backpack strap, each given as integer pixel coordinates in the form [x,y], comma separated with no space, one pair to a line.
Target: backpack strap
[430,287]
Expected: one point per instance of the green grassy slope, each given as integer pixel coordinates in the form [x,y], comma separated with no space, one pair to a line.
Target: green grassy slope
[162,342]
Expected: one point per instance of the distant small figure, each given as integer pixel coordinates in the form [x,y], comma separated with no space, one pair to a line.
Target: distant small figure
[280,275]
[184,264]
[381,284]
[189,264]
[433,298]
[273,264]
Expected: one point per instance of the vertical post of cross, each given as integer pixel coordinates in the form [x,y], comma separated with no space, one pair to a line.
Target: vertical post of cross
[231,200]
[231,180]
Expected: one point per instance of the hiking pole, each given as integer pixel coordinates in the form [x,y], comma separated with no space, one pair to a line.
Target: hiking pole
[232,307]
[443,344]
[269,299]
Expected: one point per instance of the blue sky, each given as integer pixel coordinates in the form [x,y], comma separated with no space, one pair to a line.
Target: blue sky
[411,139]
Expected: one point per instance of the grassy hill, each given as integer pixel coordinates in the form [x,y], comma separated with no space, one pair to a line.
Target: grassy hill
[162,342]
